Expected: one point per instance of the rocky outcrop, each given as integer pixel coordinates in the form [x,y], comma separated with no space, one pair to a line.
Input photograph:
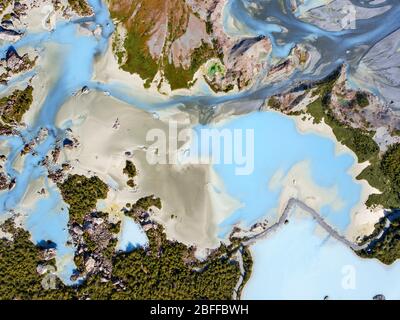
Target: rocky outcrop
[9,35]
[176,38]
[14,64]
[166,38]
[95,242]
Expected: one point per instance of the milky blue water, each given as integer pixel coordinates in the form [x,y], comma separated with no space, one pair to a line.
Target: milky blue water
[278,146]
[299,263]
[132,236]
[31,171]
[18,79]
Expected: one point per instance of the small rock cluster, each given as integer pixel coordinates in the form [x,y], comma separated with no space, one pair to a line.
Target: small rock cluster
[257,228]
[5,181]
[93,241]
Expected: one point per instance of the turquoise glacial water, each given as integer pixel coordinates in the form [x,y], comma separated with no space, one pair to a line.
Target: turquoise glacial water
[278,146]
[48,221]
[297,262]
[132,236]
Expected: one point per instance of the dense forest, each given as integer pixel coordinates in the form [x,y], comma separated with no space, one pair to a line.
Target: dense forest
[164,269]
[82,193]
[387,247]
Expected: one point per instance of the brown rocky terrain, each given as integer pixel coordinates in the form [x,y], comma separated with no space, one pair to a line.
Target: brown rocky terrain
[177,37]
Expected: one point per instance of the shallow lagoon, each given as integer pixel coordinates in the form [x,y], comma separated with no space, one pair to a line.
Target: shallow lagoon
[278,146]
[48,222]
[131,236]
[299,262]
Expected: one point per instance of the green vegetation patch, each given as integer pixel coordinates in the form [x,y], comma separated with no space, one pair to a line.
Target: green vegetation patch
[4,5]
[130,169]
[163,270]
[19,259]
[179,77]
[13,107]
[7,16]
[362,99]
[274,103]
[215,68]
[359,141]
[81,7]
[140,17]
[384,175]
[82,193]
[386,249]
[139,59]
[169,271]
[146,203]
[384,171]
[131,172]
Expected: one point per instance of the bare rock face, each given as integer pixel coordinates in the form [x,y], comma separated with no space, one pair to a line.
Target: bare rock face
[14,64]
[348,107]
[243,64]
[4,181]
[48,254]
[13,61]
[381,67]
[90,265]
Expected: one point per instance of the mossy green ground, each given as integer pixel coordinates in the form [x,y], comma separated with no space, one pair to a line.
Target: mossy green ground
[179,77]
[359,141]
[81,7]
[5,4]
[366,149]
[14,106]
